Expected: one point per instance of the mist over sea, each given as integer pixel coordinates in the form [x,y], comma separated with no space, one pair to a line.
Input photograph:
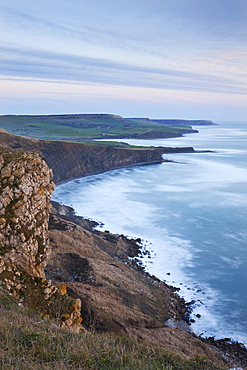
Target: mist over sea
[191,215]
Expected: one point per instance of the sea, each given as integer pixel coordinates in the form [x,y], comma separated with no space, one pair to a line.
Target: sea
[191,214]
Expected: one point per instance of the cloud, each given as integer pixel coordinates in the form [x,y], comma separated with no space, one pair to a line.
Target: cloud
[80,69]
[171,45]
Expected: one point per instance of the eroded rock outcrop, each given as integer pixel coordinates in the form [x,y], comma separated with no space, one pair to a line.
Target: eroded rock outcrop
[25,190]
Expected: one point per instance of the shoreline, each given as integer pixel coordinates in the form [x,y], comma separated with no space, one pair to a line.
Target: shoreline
[229,349]
[160,150]
[134,251]
[112,169]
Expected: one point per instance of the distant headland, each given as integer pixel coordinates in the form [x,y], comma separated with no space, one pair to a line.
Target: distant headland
[85,127]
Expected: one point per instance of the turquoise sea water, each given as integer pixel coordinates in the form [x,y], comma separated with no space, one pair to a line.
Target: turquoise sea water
[191,216]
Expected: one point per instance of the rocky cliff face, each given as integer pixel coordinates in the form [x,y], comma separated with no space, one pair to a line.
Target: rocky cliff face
[71,160]
[25,190]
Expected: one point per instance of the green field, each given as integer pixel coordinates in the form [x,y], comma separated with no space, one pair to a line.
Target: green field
[84,127]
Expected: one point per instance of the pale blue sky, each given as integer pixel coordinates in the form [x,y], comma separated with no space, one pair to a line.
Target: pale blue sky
[152,58]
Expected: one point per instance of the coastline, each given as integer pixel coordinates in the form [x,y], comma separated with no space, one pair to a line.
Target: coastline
[229,350]
[112,169]
[225,344]
[123,166]
[137,235]
[160,150]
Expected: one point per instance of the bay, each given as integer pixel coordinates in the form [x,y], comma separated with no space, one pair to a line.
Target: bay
[192,217]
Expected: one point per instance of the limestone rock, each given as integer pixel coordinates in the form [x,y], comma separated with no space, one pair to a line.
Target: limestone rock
[25,190]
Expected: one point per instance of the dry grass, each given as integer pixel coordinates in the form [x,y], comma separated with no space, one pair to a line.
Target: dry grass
[29,342]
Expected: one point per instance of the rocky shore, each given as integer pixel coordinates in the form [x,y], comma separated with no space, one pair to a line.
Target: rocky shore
[118,295]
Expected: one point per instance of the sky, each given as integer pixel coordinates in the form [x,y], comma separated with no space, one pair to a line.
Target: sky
[136,58]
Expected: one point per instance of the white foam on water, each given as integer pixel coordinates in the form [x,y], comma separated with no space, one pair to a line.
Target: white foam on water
[172,188]
[208,301]
[240,236]
[207,171]
[229,199]
[212,323]
[233,263]
[105,201]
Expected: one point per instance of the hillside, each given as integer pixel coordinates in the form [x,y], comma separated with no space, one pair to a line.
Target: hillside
[28,342]
[81,127]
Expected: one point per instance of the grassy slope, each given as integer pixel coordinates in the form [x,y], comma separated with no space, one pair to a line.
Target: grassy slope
[79,127]
[29,342]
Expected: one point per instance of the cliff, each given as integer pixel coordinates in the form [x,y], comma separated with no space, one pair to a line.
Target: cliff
[25,190]
[72,160]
